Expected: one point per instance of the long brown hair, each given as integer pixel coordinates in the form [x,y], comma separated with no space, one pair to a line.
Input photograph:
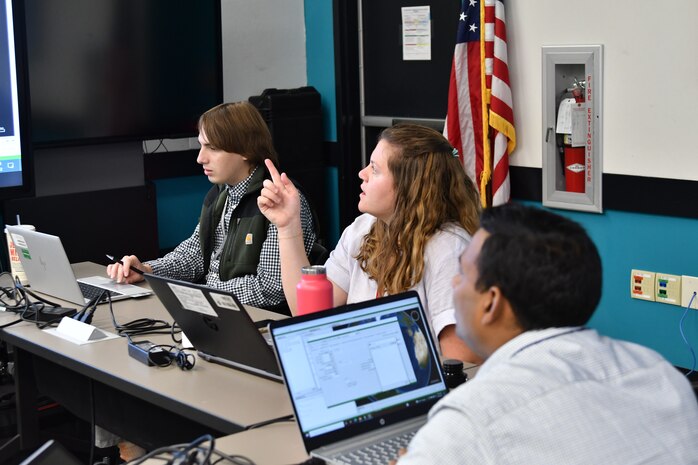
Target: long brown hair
[239,128]
[432,190]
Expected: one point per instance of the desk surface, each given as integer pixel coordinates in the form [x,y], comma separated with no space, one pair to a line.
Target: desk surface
[276,444]
[213,395]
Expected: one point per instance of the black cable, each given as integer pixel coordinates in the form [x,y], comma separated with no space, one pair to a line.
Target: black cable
[193,453]
[270,422]
[20,287]
[7,325]
[15,299]
[184,360]
[173,331]
[237,459]
[161,144]
[195,445]
[31,311]
[50,322]
[180,357]
[140,326]
[28,310]
[10,297]
[92,307]
[86,312]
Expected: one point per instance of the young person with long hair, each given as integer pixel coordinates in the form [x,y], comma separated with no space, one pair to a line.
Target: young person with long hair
[419,212]
[234,247]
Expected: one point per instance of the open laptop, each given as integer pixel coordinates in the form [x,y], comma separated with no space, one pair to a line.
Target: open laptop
[360,375]
[48,270]
[217,325]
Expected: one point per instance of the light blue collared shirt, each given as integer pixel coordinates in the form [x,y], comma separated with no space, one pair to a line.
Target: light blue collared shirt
[564,396]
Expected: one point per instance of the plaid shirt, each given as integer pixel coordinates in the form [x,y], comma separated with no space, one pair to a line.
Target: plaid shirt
[264,289]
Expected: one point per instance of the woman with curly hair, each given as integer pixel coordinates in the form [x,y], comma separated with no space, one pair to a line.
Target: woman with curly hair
[419,212]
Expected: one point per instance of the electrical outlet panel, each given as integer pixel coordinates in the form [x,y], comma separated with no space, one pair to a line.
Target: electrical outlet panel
[668,288]
[642,284]
[689,287]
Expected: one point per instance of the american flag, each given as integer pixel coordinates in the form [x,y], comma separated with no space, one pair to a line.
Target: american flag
[480,120]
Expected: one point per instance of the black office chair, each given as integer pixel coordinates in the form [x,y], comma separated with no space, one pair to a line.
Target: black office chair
[318,256]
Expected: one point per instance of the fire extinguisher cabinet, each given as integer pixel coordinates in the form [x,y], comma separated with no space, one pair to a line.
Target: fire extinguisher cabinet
[572,143]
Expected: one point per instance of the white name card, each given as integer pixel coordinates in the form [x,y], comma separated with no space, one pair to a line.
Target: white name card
[82,332]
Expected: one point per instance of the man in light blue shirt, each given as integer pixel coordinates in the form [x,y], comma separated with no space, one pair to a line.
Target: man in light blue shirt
[551,391]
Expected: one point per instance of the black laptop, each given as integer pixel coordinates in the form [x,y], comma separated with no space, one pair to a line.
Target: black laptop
[361,377]
[218,326]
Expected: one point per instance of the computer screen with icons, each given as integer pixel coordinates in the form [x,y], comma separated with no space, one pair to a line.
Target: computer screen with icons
[15,147]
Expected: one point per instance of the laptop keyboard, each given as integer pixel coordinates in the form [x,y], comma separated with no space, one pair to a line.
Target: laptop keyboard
[90,291]
[378,453]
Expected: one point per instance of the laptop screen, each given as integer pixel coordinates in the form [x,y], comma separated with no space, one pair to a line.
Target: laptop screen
[358,367]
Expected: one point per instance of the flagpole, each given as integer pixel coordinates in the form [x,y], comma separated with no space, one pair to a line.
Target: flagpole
[488,187]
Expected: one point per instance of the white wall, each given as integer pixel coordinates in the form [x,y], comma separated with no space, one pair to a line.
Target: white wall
[263,46]
[650,79]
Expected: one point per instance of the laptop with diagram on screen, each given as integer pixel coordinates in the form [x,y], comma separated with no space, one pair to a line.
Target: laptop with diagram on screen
[360,376]
[48,270]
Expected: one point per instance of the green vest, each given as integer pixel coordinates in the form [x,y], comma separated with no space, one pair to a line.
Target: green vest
[247,230]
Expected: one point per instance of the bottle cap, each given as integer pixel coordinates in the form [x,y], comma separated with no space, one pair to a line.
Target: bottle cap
[313,269]
[452,365]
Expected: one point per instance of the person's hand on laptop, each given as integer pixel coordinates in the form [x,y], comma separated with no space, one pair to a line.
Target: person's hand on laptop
[122,271]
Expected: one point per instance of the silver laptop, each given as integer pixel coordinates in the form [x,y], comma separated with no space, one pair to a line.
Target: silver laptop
[361,377]
[48,270]
[218,326]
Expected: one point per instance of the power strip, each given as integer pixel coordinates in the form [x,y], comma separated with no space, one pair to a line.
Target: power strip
[54,313]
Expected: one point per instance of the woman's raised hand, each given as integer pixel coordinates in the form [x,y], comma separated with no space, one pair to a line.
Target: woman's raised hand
[279,200]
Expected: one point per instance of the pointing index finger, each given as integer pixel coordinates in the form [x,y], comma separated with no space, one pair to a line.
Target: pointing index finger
[275,176]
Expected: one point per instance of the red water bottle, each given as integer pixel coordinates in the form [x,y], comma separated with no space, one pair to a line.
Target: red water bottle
[314,292]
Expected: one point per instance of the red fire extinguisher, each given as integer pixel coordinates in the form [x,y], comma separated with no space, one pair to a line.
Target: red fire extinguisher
[574,156]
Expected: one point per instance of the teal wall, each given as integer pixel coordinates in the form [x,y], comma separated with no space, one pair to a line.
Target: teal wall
[179,203]
[663,244]
[319,49]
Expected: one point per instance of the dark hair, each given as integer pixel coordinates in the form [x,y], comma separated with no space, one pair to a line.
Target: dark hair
[545,265]
[239,128]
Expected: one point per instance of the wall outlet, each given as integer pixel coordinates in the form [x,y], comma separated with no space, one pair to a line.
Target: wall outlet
[668,289]
[642,284]
[689,286]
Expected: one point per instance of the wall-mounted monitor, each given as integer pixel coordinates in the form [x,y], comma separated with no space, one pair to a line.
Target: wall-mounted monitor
[118,70]
[15,149]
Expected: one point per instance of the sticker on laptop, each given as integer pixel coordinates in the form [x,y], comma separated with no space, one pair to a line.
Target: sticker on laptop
[192,299]
[19,241]
[225,301]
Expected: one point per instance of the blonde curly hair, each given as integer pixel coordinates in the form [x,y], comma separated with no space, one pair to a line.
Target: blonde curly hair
[431,190]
